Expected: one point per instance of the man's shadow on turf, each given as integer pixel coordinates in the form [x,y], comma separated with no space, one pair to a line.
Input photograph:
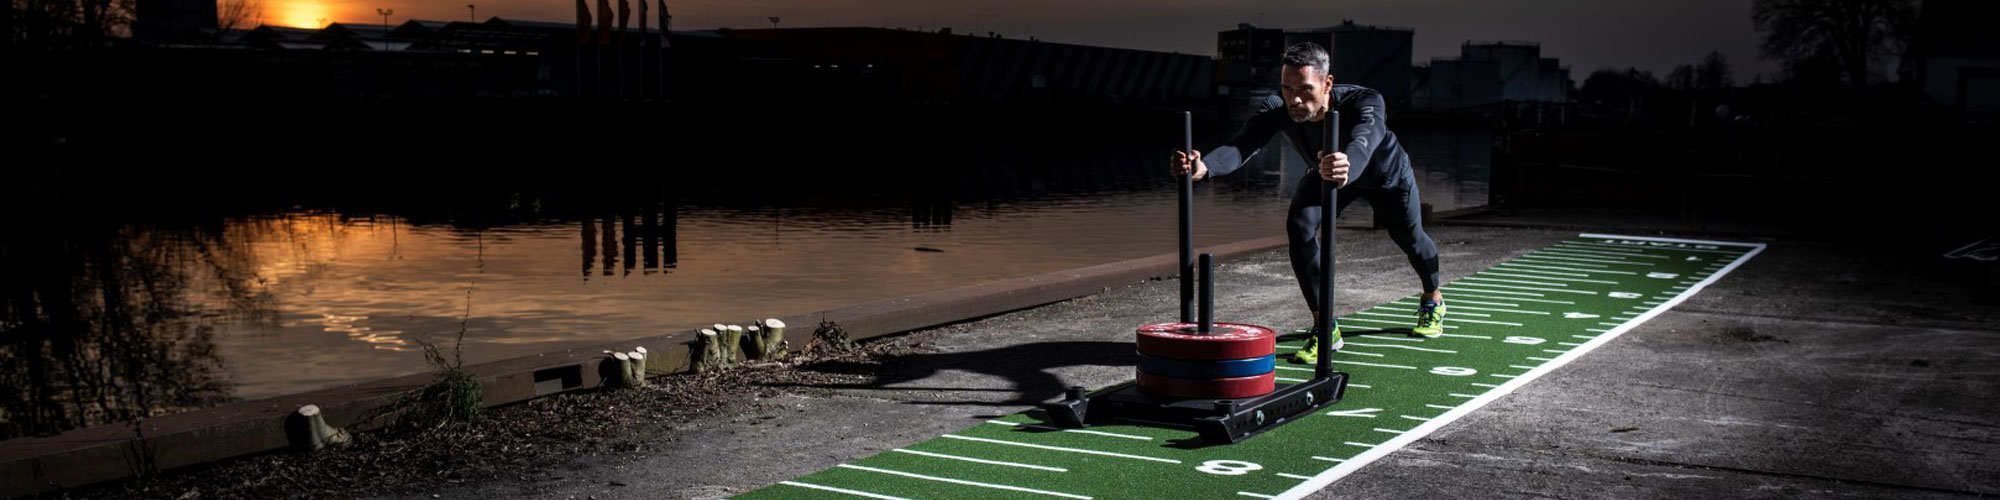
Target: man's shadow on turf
[1026,367]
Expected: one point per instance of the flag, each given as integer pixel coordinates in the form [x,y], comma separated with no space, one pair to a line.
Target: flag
[624,17]
[665,23]
[582,22]
[603,21]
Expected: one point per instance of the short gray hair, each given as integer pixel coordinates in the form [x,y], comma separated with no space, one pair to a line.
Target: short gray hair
[1304,54]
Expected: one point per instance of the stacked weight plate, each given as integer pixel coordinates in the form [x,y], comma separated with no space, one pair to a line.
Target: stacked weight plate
[1231,361]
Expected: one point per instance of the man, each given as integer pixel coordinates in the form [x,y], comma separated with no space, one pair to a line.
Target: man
[1369,165]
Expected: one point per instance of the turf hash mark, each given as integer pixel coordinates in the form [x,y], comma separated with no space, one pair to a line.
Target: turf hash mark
[1508,325]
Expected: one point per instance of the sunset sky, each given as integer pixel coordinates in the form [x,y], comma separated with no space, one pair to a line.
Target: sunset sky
[1587,35]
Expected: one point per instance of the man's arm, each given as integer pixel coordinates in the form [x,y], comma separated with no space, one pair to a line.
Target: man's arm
[1256,132]
[1371,124]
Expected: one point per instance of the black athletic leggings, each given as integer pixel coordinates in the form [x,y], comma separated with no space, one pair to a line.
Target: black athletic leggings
[1399,210]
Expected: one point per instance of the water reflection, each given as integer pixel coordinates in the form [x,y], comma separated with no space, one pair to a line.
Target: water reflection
[105,322]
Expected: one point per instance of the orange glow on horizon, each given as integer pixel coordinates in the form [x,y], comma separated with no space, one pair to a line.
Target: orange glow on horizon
[301,13]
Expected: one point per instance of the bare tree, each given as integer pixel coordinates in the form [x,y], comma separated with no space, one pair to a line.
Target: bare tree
[1851,32]
[1682,77]
[238,14]
[1714,73]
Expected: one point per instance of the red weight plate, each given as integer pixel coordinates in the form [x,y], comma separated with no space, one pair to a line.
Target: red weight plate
[1224,341]
[1213,388]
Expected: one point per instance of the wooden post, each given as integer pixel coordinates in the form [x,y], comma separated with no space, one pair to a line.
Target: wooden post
[638,366]
[307,430]
[709,349]
[731,338]
[768,343]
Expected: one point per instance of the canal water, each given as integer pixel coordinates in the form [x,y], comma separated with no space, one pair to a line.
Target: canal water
[146,289]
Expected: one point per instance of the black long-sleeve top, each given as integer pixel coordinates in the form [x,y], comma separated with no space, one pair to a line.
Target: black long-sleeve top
[1377,159]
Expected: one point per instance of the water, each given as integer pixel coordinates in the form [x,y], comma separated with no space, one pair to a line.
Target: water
[164,317]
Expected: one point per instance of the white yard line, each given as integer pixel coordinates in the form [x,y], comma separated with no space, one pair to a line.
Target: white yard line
[840,490]
[1561,268]
[1078,431]
[1578,280]
[1059,448]
[963,482]
[981,460]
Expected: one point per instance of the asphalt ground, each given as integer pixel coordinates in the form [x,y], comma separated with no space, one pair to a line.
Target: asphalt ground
[1815,369]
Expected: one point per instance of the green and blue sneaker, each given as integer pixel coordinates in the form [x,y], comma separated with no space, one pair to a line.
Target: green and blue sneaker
[1310,353]
[1430,320]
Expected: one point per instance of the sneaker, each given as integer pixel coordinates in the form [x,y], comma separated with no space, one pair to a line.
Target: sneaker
[1310,353]
[1430,320]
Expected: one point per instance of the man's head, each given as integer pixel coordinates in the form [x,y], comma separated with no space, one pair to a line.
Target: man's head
[1305,81]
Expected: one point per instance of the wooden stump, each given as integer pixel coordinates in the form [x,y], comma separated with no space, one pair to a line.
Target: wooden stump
[731,340]
[637,366]
[766,340]
[307,430]
[708,351]
[617,370]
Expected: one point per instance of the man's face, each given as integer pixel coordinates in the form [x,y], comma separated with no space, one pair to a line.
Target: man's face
[1306,92]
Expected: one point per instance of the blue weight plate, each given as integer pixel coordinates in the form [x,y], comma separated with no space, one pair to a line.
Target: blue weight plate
[1201,369]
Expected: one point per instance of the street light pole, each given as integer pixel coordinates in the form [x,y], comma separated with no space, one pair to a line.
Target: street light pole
[385,26]
[472,13]
[774,22]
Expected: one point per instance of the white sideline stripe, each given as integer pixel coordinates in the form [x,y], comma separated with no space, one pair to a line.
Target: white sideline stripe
[1560,268]
[1291,476]
[1289,379]
[1521,367]
[1463,395]
[1442,407]
[1253,495]
[1458,286]
[1553,351]
[1398,339]
[840,490]
[1360,385]
[1329,459]
[1586,337]
[1503,375]
[1404,347]
[1568,343]
[981,460]
[1606,323]
[1342,351]
[1363,445]
[1512,287]
[1059,448]
[1078,431]
[1323,479]
[1502,280]
[1391,431]
[1509,268]
[1476,315]
[964,482]
[1579,280]
[1419,419]
[1486,322]
[1599,330]
[1469,294]
[1540,359]
[1481,337]
[1293,368]
[1489,386]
